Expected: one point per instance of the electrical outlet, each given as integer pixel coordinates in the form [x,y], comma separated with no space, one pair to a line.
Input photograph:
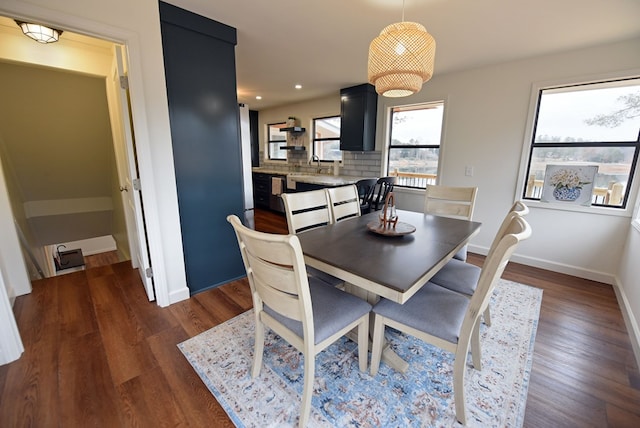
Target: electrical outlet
[468,171]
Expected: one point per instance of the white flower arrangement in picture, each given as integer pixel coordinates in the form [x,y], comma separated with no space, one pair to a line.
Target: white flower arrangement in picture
[569,184]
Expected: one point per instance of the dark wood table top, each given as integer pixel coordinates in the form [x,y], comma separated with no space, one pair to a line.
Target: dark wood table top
[394,267]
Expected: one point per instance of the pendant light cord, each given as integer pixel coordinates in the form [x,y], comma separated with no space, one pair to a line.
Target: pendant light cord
[402,10]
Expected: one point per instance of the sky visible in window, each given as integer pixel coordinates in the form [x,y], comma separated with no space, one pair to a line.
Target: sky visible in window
[563,115]
[424,126]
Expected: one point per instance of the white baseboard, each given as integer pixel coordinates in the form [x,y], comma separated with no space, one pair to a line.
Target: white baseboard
[630,321]
[579,272]
[179,295]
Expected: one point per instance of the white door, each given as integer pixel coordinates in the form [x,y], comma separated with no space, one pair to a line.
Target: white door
[130,184]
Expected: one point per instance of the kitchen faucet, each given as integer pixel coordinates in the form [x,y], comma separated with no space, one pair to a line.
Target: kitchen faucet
[317,159]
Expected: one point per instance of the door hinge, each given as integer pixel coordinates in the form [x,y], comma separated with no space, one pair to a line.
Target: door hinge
[148,272]
[136,184]
[124,82]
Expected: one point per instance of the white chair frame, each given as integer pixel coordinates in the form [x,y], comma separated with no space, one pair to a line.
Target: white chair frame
[517,229]
[278,279]
[344,202]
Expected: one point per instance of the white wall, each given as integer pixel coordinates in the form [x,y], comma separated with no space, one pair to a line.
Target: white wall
[628,285]
[136,24]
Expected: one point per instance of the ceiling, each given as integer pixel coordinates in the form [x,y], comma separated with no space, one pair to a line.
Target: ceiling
[323,45]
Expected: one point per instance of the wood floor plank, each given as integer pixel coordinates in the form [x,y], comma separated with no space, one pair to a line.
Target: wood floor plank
[139,397]
[220,306]
[127,351]
[75,310]
[192,316]
[30,395]
[619,418]
[89,395]
[150,318]
[240,293]
[188,389]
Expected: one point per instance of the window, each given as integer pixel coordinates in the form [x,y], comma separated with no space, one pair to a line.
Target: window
[588,124]
[326,138]
[277,139]
[414,144]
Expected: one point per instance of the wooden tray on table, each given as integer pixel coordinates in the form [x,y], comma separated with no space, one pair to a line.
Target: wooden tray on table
[400,228]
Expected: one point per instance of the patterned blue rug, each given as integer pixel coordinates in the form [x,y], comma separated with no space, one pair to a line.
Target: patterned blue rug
[345,397]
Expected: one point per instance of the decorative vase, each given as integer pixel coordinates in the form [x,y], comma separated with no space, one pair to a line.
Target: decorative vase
[564,193]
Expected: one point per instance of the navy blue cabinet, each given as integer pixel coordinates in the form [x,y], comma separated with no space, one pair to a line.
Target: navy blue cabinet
[199,60]
[358,110]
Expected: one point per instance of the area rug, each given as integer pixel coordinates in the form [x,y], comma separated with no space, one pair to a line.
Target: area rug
[345,397]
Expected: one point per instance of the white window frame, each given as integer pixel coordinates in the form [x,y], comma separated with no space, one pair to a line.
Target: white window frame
[314,139]
[536,87]
[387,138]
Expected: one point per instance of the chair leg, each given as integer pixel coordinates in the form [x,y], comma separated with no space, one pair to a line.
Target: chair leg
[307,389]
[258,349]
[376,348]
[363,343]
[487,316]
[476,353]
[459,369]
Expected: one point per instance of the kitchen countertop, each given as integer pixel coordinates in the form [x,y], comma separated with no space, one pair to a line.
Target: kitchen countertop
[320,179]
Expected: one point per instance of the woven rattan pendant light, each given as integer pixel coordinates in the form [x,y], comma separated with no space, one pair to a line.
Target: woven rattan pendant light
[401,59]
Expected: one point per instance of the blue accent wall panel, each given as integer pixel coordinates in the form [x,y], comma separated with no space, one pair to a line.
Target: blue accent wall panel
[199,56]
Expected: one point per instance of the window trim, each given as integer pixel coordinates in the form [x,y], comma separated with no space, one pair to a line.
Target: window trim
[314,139]
[269,142]
[527,144]
[389,130]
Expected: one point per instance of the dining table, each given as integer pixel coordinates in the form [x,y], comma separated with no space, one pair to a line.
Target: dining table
[389,262]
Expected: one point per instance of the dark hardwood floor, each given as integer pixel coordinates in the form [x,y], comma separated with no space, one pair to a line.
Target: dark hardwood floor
[97,353]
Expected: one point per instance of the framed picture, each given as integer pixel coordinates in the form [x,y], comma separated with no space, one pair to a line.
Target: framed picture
[569,184]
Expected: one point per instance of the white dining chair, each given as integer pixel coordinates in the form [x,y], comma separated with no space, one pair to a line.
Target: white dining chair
[462,277]
[306,211]
[344,202]
[307,315]
[447,319]
[454,202]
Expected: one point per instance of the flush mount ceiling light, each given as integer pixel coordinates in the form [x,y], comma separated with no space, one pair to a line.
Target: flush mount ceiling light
[401,59]
[39,33]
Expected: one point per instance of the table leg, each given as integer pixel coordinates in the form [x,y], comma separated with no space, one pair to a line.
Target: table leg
[388,355]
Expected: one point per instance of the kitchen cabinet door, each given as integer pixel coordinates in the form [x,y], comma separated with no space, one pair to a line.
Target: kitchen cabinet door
[358,110]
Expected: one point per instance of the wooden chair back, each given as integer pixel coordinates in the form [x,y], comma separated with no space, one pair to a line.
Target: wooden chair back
[344,202]
[515,231]
[384,186]
[448,201]
[307,210]
[277,277]
[366,188]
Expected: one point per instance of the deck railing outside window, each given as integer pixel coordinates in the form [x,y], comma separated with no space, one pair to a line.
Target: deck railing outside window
[413,179]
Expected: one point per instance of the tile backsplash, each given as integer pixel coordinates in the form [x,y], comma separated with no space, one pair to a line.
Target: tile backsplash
[355,164]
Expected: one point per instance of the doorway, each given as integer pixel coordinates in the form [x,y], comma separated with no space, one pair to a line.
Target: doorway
[82,214]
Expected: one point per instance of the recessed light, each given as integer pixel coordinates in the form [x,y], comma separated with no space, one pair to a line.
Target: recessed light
[298,86]
[258,97]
